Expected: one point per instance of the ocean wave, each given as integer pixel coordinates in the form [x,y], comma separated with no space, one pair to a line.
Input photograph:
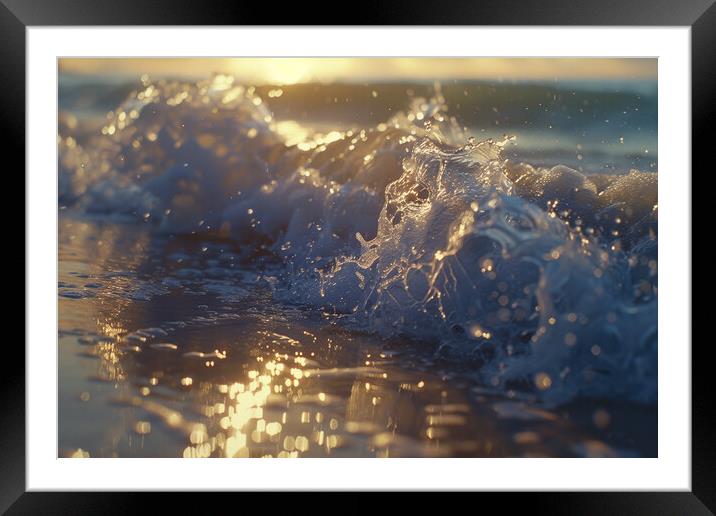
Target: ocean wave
[541,278]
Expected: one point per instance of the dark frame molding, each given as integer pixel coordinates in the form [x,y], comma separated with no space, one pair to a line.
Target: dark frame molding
[700,15]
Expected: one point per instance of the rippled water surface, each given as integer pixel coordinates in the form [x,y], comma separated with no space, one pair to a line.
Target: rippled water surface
[158,358]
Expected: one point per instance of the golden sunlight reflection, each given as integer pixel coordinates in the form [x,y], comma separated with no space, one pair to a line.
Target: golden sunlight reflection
[258,384]
[275,411]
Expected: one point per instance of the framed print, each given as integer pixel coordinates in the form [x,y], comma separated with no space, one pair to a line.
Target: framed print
[413,253]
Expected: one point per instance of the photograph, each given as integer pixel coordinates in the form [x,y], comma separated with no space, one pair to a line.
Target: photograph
[348,257]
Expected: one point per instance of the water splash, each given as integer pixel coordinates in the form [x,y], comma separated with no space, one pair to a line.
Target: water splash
[544,278]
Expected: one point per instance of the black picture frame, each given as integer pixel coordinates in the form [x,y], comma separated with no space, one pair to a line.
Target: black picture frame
[17,15]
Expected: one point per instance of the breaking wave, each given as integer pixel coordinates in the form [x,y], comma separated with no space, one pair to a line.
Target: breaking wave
[542,279]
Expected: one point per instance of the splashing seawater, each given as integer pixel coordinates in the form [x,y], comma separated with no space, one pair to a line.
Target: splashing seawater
[542,279]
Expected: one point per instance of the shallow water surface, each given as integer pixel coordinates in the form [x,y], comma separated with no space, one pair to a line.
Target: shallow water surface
[175,347]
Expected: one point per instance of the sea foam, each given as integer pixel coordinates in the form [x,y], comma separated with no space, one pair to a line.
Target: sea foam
[543,279]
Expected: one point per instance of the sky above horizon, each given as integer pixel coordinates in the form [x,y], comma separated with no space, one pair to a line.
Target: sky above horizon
[272,70]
